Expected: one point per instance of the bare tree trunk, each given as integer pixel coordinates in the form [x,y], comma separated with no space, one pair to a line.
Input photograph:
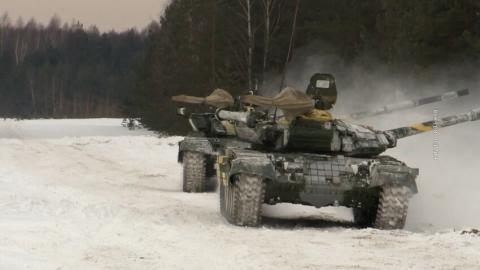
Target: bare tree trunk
[60,97]
[3,29]
[105,107]
[17,50]
[2,34]
[60,104]
[21,48]
[272,11]
[74,105]
[250,43]
[45,98]
[213,75]
[267,5]
[88,107]
[32,94]
[246,14]
[54,111]
[291,45]
[37,40]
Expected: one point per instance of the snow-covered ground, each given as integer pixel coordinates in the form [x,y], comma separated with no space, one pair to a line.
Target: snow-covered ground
[89,194]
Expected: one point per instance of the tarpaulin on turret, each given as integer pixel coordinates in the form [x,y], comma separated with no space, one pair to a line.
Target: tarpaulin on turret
[218,98]
[292,102]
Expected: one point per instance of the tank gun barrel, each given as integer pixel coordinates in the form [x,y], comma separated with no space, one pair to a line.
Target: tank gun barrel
[409,104]
[403,132]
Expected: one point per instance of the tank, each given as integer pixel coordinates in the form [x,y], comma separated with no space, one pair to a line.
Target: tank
[198,151]
[307,158]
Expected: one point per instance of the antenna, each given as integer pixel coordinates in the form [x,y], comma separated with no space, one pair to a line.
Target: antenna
[290,48]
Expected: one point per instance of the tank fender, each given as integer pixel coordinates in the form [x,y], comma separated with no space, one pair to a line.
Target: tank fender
[193,144]
[256,165]
[388,174]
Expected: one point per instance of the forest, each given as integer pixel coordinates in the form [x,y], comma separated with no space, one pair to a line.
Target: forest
[237,45]
[59,71]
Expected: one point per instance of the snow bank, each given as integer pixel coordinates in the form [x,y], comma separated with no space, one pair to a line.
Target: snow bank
[47,128]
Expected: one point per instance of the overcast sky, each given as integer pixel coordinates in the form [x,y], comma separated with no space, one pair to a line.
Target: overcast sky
[106,14]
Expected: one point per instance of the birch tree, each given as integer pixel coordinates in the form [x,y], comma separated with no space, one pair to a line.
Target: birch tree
[246,13]
[272,11]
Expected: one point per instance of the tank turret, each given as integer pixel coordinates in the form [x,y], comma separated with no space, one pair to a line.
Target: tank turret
[313,135]
[333,136]
[205,122]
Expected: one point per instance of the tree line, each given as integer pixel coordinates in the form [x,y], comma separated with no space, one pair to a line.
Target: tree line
[197,46]
[65,70]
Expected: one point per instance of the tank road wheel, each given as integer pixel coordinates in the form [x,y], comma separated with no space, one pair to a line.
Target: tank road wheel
[241,201]
[194,172]
[392,207]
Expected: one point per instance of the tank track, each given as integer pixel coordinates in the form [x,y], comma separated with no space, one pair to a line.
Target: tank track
[241,202]
[392,208]
[194,172]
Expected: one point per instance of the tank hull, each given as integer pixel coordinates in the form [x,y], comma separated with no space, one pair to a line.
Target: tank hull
[314,179]
[301,178]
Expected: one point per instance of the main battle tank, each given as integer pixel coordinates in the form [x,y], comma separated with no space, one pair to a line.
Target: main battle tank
[307,157]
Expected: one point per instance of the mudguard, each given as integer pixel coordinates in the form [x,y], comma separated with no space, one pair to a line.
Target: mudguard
[195,144]
[253,163]
[393,172]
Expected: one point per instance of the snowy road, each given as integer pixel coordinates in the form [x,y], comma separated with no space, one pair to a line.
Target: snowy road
[115,202]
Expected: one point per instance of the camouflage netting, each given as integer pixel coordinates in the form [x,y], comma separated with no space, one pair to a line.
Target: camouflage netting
[218,98]
[292,102]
